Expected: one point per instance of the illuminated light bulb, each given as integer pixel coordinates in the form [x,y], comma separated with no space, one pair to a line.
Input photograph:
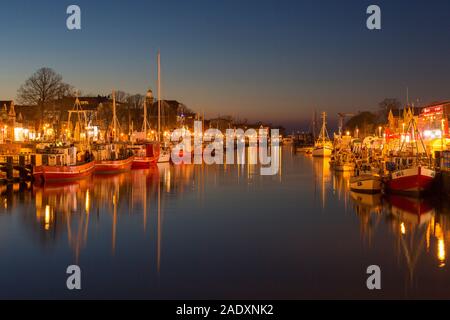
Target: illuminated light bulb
[441,252]
[402,228]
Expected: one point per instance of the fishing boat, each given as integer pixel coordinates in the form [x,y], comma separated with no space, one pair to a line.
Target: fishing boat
[415,180]
[322,150]
[410,172]
[60,162]
[63,164]
[343,161]
[304,141]
[145,155]
[367,178]
[44,174]
[323,146]
[148,153]
[113,166]
[304,149]
[164,155]
[112,158]
[366,183]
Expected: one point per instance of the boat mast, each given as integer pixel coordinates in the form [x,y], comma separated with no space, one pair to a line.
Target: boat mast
[145,118]
[159,96]
[114,116]
[314,120]
[323,127]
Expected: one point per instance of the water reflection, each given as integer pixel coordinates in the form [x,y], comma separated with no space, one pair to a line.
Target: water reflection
[153,216]
[419,227]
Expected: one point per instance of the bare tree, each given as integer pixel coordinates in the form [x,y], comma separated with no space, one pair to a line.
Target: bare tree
[43,87]
[135,103]
[385,106]
[121,96]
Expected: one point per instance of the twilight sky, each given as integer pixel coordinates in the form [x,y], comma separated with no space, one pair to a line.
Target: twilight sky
[261,60]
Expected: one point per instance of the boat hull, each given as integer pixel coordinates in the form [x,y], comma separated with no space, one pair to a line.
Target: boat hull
[113,166]
[149,158]
[343,167]
[63,173]
[365,184]
[322,152]
[413,181]
[143,162]
[164,157]
[304,149]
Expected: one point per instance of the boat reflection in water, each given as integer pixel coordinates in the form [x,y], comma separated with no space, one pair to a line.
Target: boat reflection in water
[170,231]
[68,209]
[419,229]
[368,208]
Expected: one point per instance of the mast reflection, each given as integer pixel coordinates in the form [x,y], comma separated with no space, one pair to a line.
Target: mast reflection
[421,231]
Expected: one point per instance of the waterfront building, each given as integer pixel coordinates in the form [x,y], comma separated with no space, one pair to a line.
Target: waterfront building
[433,120]
[14,127]
[433,124]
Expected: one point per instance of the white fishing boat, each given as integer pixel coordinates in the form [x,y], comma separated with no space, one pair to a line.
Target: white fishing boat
[323,146]
[164,155]
[367,178]
[366,183]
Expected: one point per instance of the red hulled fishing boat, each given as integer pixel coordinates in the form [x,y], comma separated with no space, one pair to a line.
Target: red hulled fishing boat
[414,180]
[410,171]
[145,155]
[112,158]
[57,164]
[113,166]
[63,173]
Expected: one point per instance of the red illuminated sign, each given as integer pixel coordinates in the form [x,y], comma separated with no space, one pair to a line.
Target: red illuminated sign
[432,110]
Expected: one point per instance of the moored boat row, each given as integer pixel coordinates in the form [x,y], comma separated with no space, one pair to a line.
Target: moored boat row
[65,164]
[408,169]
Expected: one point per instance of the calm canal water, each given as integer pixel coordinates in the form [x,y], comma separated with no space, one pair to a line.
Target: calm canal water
[194,231]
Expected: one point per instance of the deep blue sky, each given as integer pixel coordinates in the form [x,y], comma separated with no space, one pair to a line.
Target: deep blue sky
[269,60]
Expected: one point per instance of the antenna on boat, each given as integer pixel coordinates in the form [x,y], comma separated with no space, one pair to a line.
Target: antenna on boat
[324,119]
[413,125]
[314,124]
[144,125]
[116,124]
[114,115]
[80,120]
[159,96]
